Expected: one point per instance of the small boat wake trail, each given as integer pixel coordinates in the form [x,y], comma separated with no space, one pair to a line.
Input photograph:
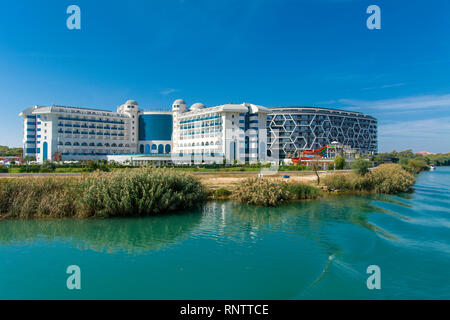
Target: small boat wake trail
[324,272]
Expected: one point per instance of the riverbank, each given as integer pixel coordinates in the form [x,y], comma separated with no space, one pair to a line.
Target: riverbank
[129,193]
[149,191]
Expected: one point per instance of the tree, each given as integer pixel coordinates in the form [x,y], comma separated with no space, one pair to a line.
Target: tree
[361,166]
[339,163]
[29,159]
[316,167]
[48,166]
[6,151]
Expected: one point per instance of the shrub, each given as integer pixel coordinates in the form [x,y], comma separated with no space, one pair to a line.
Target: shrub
[414,165]
[387,178]
[331,166]
[361,166]
[48,166]
[135,192]
[261,192]
[337,181]
[299,191]
[392,178]
[32,168]
[94,165]
[139,192]
[222,192]
[3,169]
[38,197]
[339,163]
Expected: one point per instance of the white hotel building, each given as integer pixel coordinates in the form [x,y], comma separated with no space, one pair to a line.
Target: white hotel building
[85,134]
[241,133]
[234,132]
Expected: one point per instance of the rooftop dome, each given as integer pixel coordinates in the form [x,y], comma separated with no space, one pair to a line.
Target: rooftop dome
[132,102]
[197,106]
[179,101]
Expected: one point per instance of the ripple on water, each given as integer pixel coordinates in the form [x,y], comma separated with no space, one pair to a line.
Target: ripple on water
[310,249]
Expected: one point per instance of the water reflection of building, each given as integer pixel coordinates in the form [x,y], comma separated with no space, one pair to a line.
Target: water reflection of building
[221,219]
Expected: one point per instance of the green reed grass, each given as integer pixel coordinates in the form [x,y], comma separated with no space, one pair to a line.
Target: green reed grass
[386,178]
[138,192]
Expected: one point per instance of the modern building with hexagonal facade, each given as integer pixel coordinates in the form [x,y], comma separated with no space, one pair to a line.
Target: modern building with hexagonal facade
[291,130]
[242,133]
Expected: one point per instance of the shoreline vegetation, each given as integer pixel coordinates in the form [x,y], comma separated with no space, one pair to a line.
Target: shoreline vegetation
[405,158]
[111,190]
[154,191]
[128,193]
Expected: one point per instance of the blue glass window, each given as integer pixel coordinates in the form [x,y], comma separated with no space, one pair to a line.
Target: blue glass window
[155,127]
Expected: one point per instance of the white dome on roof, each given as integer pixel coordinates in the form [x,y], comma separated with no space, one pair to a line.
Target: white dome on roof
[179,105]
[179,101]
[197,106]
[132,102]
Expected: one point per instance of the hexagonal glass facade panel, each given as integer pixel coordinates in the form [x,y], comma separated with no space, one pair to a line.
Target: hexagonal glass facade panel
[304,128]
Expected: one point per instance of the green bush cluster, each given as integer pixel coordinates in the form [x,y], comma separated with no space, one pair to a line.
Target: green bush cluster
[391,178]
[139,192]
[46,167]
[261,192]
[297,167]
[6,151]
[414,165]
[4,169]
[403,157]
[386,178]
[38,197]
[222,192]
[361,166]
[136,192]
[30,168]
[264,192]
[300,191]
[82,166]
[339,163]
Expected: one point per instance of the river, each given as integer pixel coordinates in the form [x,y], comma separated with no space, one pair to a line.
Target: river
[317,249]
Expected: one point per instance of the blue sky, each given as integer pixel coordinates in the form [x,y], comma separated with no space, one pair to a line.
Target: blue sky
[272,53]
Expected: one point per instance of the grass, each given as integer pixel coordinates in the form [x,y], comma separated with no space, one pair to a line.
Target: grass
[222,193]
[137,192]
[261,192]
[147,191]
[386,178]
[265,192]
[302,191]
[38,197]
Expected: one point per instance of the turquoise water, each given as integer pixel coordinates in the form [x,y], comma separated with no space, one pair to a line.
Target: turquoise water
[310,250]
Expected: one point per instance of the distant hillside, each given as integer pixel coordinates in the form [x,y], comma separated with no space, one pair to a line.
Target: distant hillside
[6,151]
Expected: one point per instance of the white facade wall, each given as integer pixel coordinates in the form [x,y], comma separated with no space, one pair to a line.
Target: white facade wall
[206,135]
[80,134]
[202,135]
